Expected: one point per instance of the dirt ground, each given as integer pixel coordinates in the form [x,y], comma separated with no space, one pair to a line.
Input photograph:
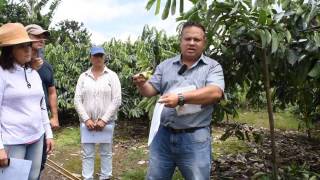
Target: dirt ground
[293,148]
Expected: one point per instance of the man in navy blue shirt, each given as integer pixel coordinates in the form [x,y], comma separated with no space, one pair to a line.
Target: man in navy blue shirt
[45,71]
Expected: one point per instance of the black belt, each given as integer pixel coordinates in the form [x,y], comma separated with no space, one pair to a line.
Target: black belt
[188,130]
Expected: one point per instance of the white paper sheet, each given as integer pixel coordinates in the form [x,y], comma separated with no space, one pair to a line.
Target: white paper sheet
[155,122]
[104,136]
[18,169]
[186,108]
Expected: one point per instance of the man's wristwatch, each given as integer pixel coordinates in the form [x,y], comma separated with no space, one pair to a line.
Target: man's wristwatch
[180,99]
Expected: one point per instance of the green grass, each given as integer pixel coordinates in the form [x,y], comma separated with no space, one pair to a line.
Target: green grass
[67,141]
[140,173]
[230,146]
[137,174]
[135,156]
[283,120]
[67,137]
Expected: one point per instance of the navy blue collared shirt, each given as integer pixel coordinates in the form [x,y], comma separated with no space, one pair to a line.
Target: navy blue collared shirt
[166,79]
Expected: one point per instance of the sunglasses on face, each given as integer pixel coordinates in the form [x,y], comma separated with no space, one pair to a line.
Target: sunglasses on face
[24,45]
[38,37]
[98,55]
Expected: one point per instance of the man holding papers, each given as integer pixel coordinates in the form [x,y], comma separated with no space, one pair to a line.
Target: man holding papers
[189,84]
[97,100]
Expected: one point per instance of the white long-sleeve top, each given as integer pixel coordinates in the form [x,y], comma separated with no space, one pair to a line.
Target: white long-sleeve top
[23,114]
[98,98]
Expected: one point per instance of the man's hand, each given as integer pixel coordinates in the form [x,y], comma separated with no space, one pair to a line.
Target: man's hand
[36,63]
[90,124]
[49,145]
[3,158]
[54,122]
[169,100]
[100,125]
[139,79]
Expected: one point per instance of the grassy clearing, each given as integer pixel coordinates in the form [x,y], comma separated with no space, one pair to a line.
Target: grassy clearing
[129,161]
[130,155]
[283,120]
[230,146]
[67,137]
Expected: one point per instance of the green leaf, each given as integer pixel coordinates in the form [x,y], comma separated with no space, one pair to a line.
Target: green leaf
[278,16]
[315,71]
[234,9]
[173,7]
[181,6]
[288,36]
[263,16]
[316,39]
[275,42]
[149,4]
[158,7]
[292,57]
[268,36]
[313,178]
[262,37]
[165,12]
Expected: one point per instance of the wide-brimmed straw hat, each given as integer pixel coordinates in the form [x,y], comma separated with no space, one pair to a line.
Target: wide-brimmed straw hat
[12,34]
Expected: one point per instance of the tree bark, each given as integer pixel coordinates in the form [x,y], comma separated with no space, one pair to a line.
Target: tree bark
[270,114]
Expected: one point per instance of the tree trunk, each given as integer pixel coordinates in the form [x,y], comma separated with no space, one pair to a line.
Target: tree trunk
[270,114]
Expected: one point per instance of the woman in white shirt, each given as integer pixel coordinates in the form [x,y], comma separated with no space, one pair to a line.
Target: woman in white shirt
[97,100]
[23,114]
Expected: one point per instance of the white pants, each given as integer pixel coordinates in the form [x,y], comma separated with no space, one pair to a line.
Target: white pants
[88,157]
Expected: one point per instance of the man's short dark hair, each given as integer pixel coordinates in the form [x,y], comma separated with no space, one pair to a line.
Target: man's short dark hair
[191,24]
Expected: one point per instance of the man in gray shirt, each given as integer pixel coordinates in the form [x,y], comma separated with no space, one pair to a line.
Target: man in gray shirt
[189,85]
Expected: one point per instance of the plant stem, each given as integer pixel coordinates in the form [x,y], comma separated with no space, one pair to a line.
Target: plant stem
[270,114]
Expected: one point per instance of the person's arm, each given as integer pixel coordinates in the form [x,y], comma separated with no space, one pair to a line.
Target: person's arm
[151,87]
[1,98]
[203,96]
[210,94]
[83,116]
[112,109]
[52,95]
[36,63]
[46,125]
[3,153]
[146,89]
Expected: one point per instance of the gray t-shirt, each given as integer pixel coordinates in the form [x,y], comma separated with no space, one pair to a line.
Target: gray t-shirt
[205,71]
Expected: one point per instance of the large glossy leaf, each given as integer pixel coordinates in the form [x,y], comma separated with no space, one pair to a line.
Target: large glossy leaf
[288,36]
[292,57]
[262,37]
[150,4]
[316,38]
[173,7]
[166,10]
[275,41]
[268,37]
[181,7]
[315,71]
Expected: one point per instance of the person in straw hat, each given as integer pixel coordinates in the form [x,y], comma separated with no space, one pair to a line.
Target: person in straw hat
[23,114]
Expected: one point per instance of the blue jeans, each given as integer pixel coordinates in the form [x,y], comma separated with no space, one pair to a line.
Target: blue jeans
[31,152]
[44,156]
[190,152]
